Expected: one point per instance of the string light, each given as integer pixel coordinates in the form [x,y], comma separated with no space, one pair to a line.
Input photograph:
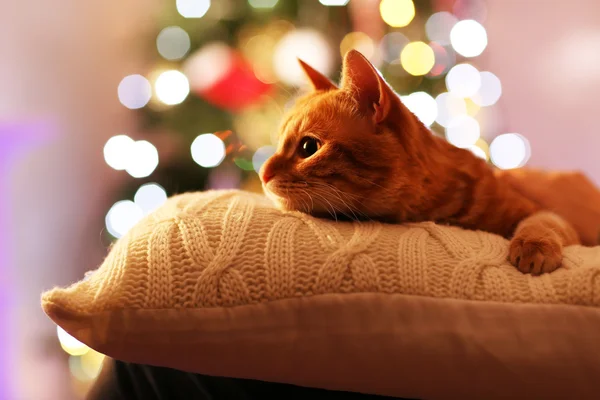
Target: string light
[397,13]
[490,90]
[422,105]
[86,367]
[463,131]
[76,370]
[117,151]
[69,344]
[468,38]
[306,44]
[139,158]
[444,59]
[142,160]
[334,3]
[208,150]
[358,41]
[472,107]
[134,91]
[172,87]
[470,9]
[509,151]
[449,106]
[173,43]
[123,216]
[192,8]
[391,46]
[482,145]
[417,58]
[439,26]
[149,197]
[91,363]
[463,80]
[477,151]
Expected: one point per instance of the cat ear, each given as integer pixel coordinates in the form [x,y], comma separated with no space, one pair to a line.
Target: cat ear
[317,79]
[361,78]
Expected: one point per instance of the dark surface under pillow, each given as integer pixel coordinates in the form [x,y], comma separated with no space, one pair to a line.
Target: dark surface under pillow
[126,381]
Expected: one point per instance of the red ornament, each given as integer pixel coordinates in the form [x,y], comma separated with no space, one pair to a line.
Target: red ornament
[221,76]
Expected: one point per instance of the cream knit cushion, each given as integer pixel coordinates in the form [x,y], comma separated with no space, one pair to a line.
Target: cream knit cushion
[222,283]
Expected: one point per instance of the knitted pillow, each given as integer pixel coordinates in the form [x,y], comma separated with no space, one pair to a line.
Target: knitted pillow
[222,283]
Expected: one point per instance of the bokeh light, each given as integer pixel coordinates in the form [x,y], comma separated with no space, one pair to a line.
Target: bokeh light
[470,9]
[449,106]
[397,13]
[261,155]
[306,44]
[117,151]
[149,197]
[143,159]
[357,41]
[123,216]
[139,158]
[91,363]
[472,107]
[478,151]
[463,80]
[173,43]
[391,46]
[193,8]
[208,150]
[463,131]
[134,91]
[334,2]
[209,65]
[69,344]
[86,367]
[259,49]
[491,121]
[422,105]
[439,26]
[76,370]
[263,3]
[172,87]
[490,90]
[468,38]
[509,151]
[417,58]
[444,59]
[481,149]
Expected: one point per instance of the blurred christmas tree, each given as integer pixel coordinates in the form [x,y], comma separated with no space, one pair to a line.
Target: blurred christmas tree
[223,72]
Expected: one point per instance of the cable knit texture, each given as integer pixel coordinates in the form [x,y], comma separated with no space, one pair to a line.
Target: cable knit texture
[228,248]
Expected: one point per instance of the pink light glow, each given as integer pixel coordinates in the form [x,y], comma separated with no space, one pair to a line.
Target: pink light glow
[16,139]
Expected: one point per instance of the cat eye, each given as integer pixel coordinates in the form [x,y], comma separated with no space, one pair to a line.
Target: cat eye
[309,146]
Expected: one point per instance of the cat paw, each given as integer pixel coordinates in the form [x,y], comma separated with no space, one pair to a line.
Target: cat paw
[535,255]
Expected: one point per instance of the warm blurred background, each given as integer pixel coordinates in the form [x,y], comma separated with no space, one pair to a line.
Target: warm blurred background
[106,108]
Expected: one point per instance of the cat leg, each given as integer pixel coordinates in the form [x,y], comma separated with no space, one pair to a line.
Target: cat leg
[538,241]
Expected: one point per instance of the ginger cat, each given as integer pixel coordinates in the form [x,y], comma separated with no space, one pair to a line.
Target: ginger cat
[357,151]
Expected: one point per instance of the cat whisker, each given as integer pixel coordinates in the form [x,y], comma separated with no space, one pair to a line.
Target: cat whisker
[312,203]
[325,194]
[345,198]
[320,192]
[332,212]
[336,192]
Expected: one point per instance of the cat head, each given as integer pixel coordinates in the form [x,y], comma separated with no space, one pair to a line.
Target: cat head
[343,151]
